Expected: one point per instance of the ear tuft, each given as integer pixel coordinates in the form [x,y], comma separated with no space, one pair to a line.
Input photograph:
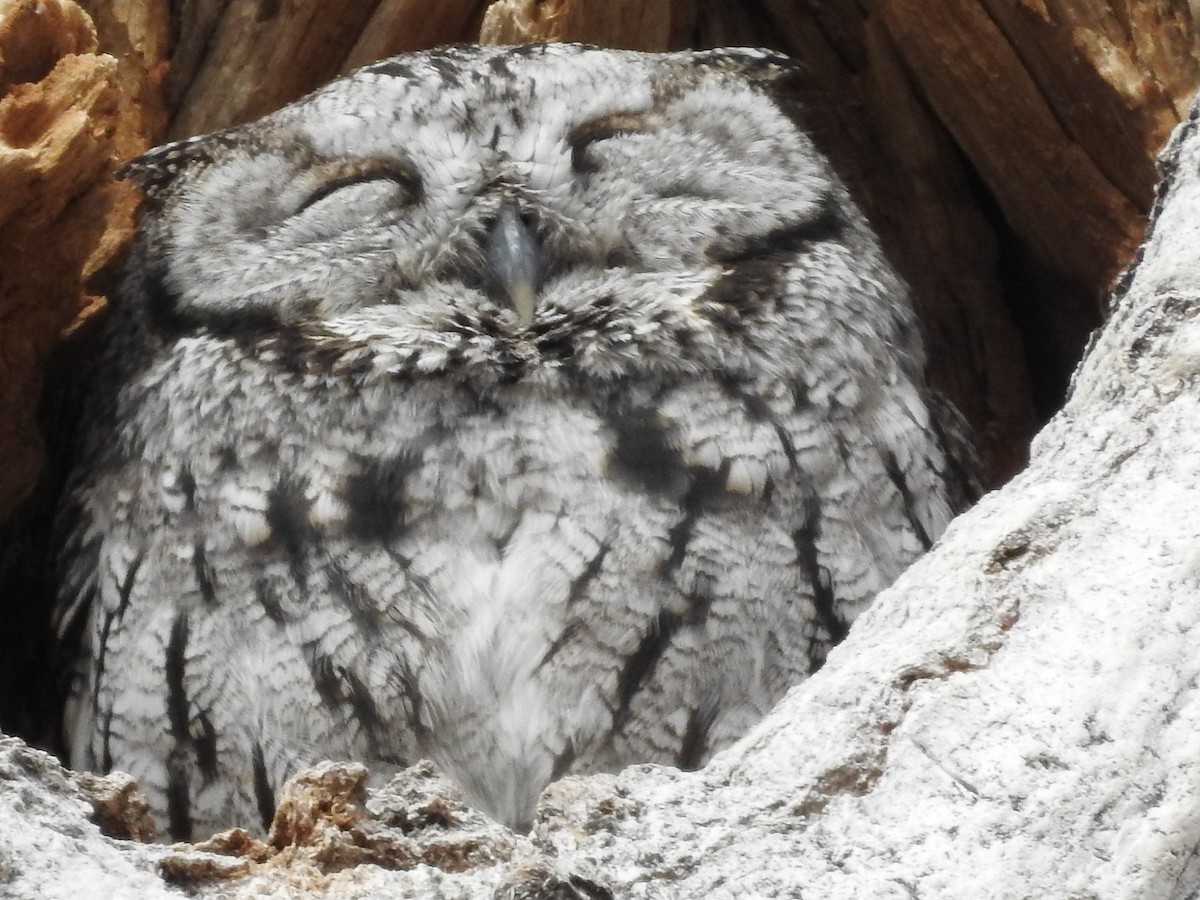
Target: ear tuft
[155,171]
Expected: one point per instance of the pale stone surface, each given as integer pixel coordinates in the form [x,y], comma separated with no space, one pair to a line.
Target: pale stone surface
[49,849]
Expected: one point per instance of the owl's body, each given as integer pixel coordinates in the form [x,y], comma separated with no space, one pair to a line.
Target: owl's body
[531,410]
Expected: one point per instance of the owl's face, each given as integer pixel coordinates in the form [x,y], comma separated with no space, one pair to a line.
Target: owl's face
[511,185]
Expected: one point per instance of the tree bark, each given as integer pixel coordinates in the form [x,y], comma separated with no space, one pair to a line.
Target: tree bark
[58,112]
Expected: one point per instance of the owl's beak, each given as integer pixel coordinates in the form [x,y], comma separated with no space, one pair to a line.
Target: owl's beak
[514,260]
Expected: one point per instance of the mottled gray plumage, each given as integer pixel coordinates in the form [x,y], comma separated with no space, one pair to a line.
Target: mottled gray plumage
[532,410]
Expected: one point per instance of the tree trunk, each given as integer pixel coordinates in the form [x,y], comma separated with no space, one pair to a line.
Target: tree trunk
[1015,717]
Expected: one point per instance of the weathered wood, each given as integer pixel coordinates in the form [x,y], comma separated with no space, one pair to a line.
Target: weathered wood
[1049,187]
[235,61]
[628,24]
[398,26]
[62,218]
[1059,107]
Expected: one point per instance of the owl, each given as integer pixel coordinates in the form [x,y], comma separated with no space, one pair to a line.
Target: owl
[532,410]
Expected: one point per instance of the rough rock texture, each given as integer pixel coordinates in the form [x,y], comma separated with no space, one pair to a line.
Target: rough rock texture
[48,846]
[1016,717]
[412,838]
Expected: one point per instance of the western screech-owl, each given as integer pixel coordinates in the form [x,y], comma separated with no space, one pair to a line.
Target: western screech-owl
[533,410]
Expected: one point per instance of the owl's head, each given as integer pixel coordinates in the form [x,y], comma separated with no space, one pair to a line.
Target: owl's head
[513,196]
